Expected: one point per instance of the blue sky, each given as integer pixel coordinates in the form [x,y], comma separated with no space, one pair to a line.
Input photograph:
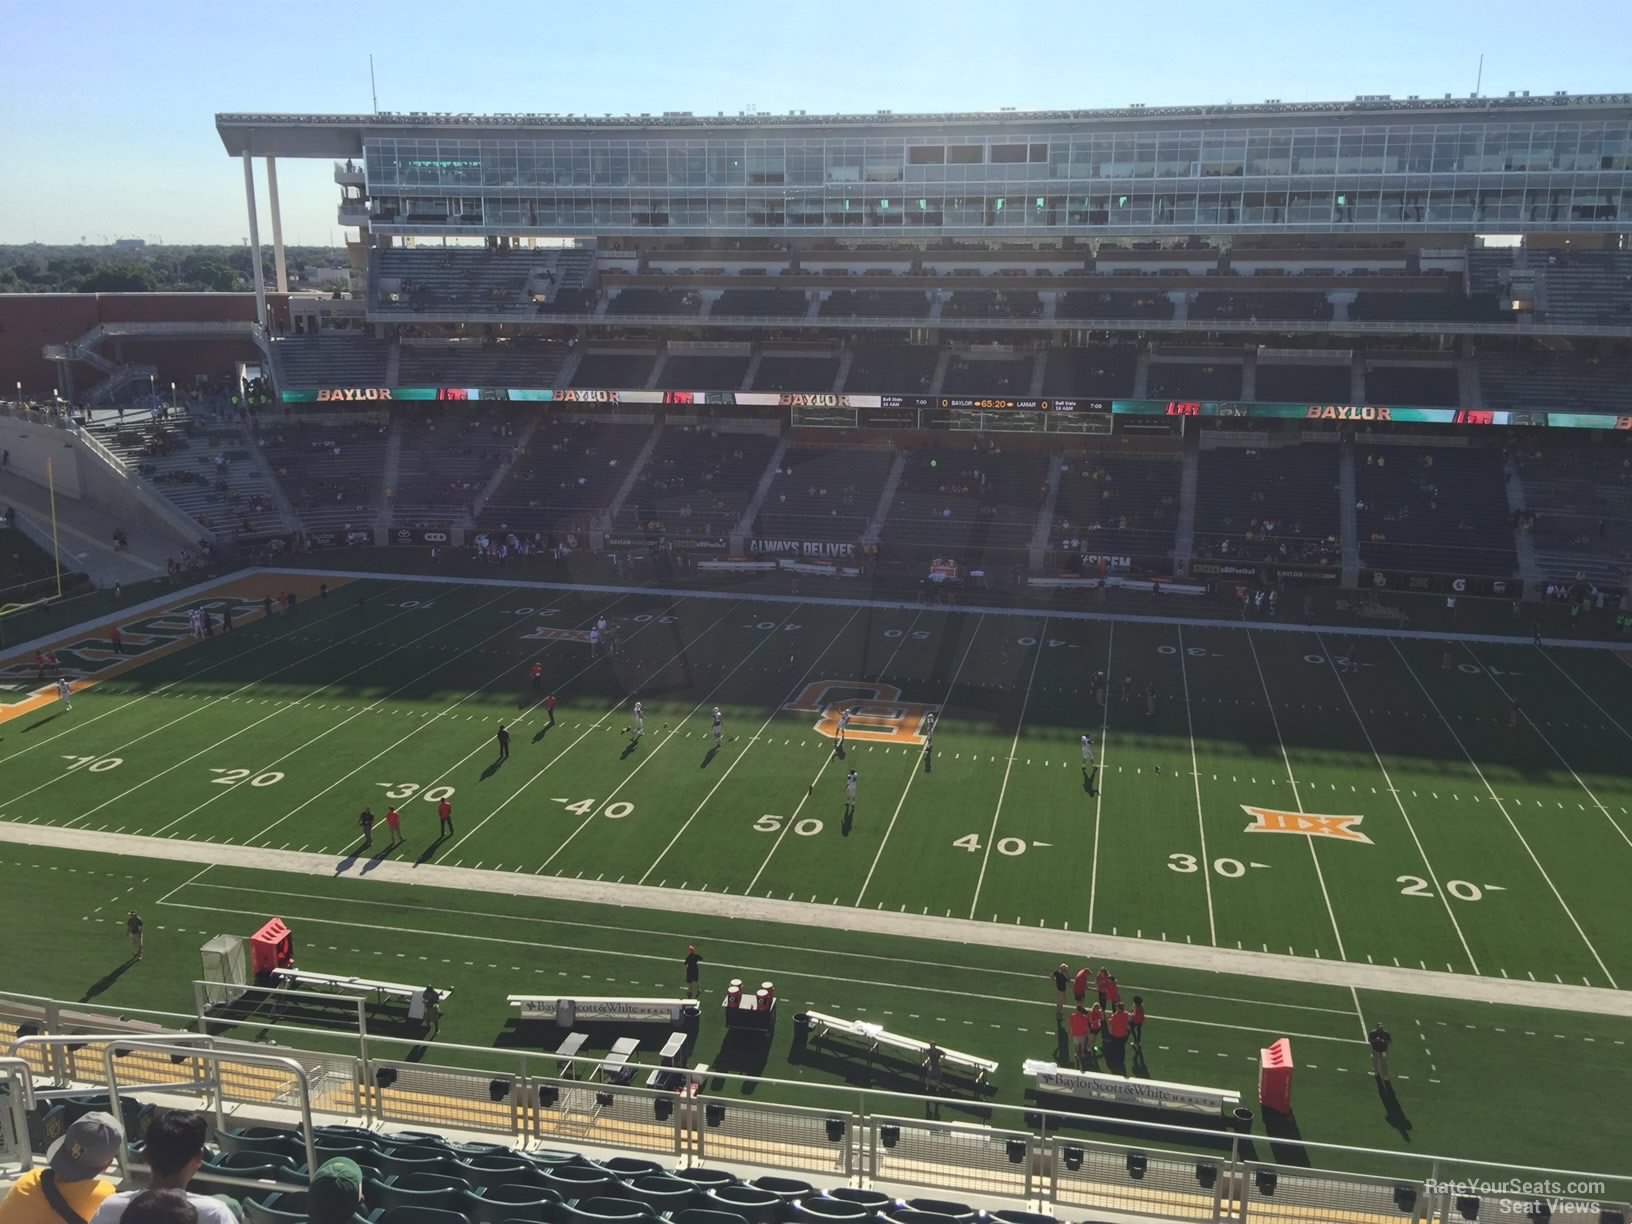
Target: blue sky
[106,110]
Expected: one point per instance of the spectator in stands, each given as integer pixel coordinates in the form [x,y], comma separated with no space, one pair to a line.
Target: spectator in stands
[174,1150]
[162,1207]
[336,1192]
[72,1174]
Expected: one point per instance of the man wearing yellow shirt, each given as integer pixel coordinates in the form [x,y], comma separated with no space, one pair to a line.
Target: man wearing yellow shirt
[70,1187]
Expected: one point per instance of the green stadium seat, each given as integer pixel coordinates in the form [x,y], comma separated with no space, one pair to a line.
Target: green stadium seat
[755,1206]
[547,1158]
[906,1215]
[957,1211]
[508,1169]
[590,1211]
[822,1209]
[412,1190]
[627,1168]
[498,1203]
[867,1200]
[576,1181]
[401,1161]
[276,1208]
[788,1189]
[1023,1217]
[707,1179]
[663,1194]
[416,1215]
[347,1134]
[263,1139]
[706,1215]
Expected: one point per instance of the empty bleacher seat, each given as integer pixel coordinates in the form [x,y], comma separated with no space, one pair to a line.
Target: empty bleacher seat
[614,371]
[704,371]
[1434,509]
[748,303]
[1114,304]
[1219,380]
[1277,504]
[1315,384]
[903,369]
[1126,504]
[1091,373]
[786,372]
[1412,385]
[875,304]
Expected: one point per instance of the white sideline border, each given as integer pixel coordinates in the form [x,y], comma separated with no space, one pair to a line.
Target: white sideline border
[1544,996]
[908,605]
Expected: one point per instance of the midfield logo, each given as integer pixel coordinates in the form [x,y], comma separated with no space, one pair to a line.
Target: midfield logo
[1342,828]
[877,713]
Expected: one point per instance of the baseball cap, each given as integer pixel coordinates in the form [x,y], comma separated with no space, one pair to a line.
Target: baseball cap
[86,1148]
[335,1192]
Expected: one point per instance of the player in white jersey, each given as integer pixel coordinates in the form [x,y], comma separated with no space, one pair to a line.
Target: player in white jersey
[64,693]
[844,725]
[1087,750]
[929,734]
[601,624]
[640,718]
[850,793]
[719,720]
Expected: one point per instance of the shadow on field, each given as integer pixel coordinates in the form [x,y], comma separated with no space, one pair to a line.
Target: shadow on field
[40,722]
[1283,1133]
[1392,1113]
[708,757]
[105,981]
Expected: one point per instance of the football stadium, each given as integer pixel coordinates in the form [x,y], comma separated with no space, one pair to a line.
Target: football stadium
[1062,666]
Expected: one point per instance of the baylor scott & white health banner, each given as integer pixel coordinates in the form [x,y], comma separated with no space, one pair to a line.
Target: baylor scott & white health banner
[804,548]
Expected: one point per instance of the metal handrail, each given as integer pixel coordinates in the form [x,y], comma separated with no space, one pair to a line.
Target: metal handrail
[216,1057]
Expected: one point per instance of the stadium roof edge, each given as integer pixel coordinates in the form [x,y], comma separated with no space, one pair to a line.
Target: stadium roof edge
[341,135]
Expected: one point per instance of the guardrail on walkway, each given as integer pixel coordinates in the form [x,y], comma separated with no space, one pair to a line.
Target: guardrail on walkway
[1010,1152]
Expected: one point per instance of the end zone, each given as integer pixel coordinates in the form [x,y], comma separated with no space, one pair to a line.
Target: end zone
[85,654]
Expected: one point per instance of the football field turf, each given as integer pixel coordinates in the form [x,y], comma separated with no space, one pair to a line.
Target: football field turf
[1451,806]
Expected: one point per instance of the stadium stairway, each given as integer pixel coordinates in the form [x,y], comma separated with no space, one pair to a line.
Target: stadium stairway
[85,535]
[1184,531]
[655,379]
[390,470]
[1045,514]
[745,526]
[886,495]
[524,442]
[569,367]
[1348,493]
[1524,544]
[1249,375]
[274,486]
[941,365]
[1039,371]
[845,358]
[633,477]
[1141,374]
[753,369]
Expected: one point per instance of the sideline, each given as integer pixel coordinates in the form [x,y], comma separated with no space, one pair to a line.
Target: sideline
[1544,996]
[839,601]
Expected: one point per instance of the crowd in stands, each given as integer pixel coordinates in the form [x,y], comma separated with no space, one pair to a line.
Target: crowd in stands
[697,480]
[1269,504]
[1435,508]
[331,473]
[1116,504]
[823,494]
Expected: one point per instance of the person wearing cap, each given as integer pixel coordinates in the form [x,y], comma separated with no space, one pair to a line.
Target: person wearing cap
[694,964]
[336,1192]
[174,1149]
[70,1186]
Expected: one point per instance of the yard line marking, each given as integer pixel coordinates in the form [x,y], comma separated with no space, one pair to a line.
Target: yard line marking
[211,747]
[448,712]
[913,776]
[1099,798]
[1503,809]
[1195,772]
[1500,688]
[343,722]
[980,880]
[646,758]
[1297,799]
[738,760]
[164,689]
[1388,784]
[611,710]
[1612,719]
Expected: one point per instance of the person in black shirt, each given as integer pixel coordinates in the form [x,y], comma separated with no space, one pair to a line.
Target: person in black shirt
[1379,1039]
[365,822]
[1062,983]
[694,964]
[504,742]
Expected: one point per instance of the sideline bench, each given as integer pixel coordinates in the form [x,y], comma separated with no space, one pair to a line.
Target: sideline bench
[378,992]
[875,1035]
[1118,1090]
[615,1068]
[567,1012]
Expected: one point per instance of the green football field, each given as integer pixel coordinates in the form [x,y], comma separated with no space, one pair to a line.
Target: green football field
[1450,806]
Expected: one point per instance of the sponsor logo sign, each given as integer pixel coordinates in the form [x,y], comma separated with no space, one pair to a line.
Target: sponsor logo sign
[804,548]
[877,712]
[1305,824]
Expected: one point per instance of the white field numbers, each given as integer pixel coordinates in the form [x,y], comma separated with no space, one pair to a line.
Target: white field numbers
[1011,846]
[231,777]
[407,790]
[1462,890]
[808,827]
[586,807]
[92,764]
[1229,868]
